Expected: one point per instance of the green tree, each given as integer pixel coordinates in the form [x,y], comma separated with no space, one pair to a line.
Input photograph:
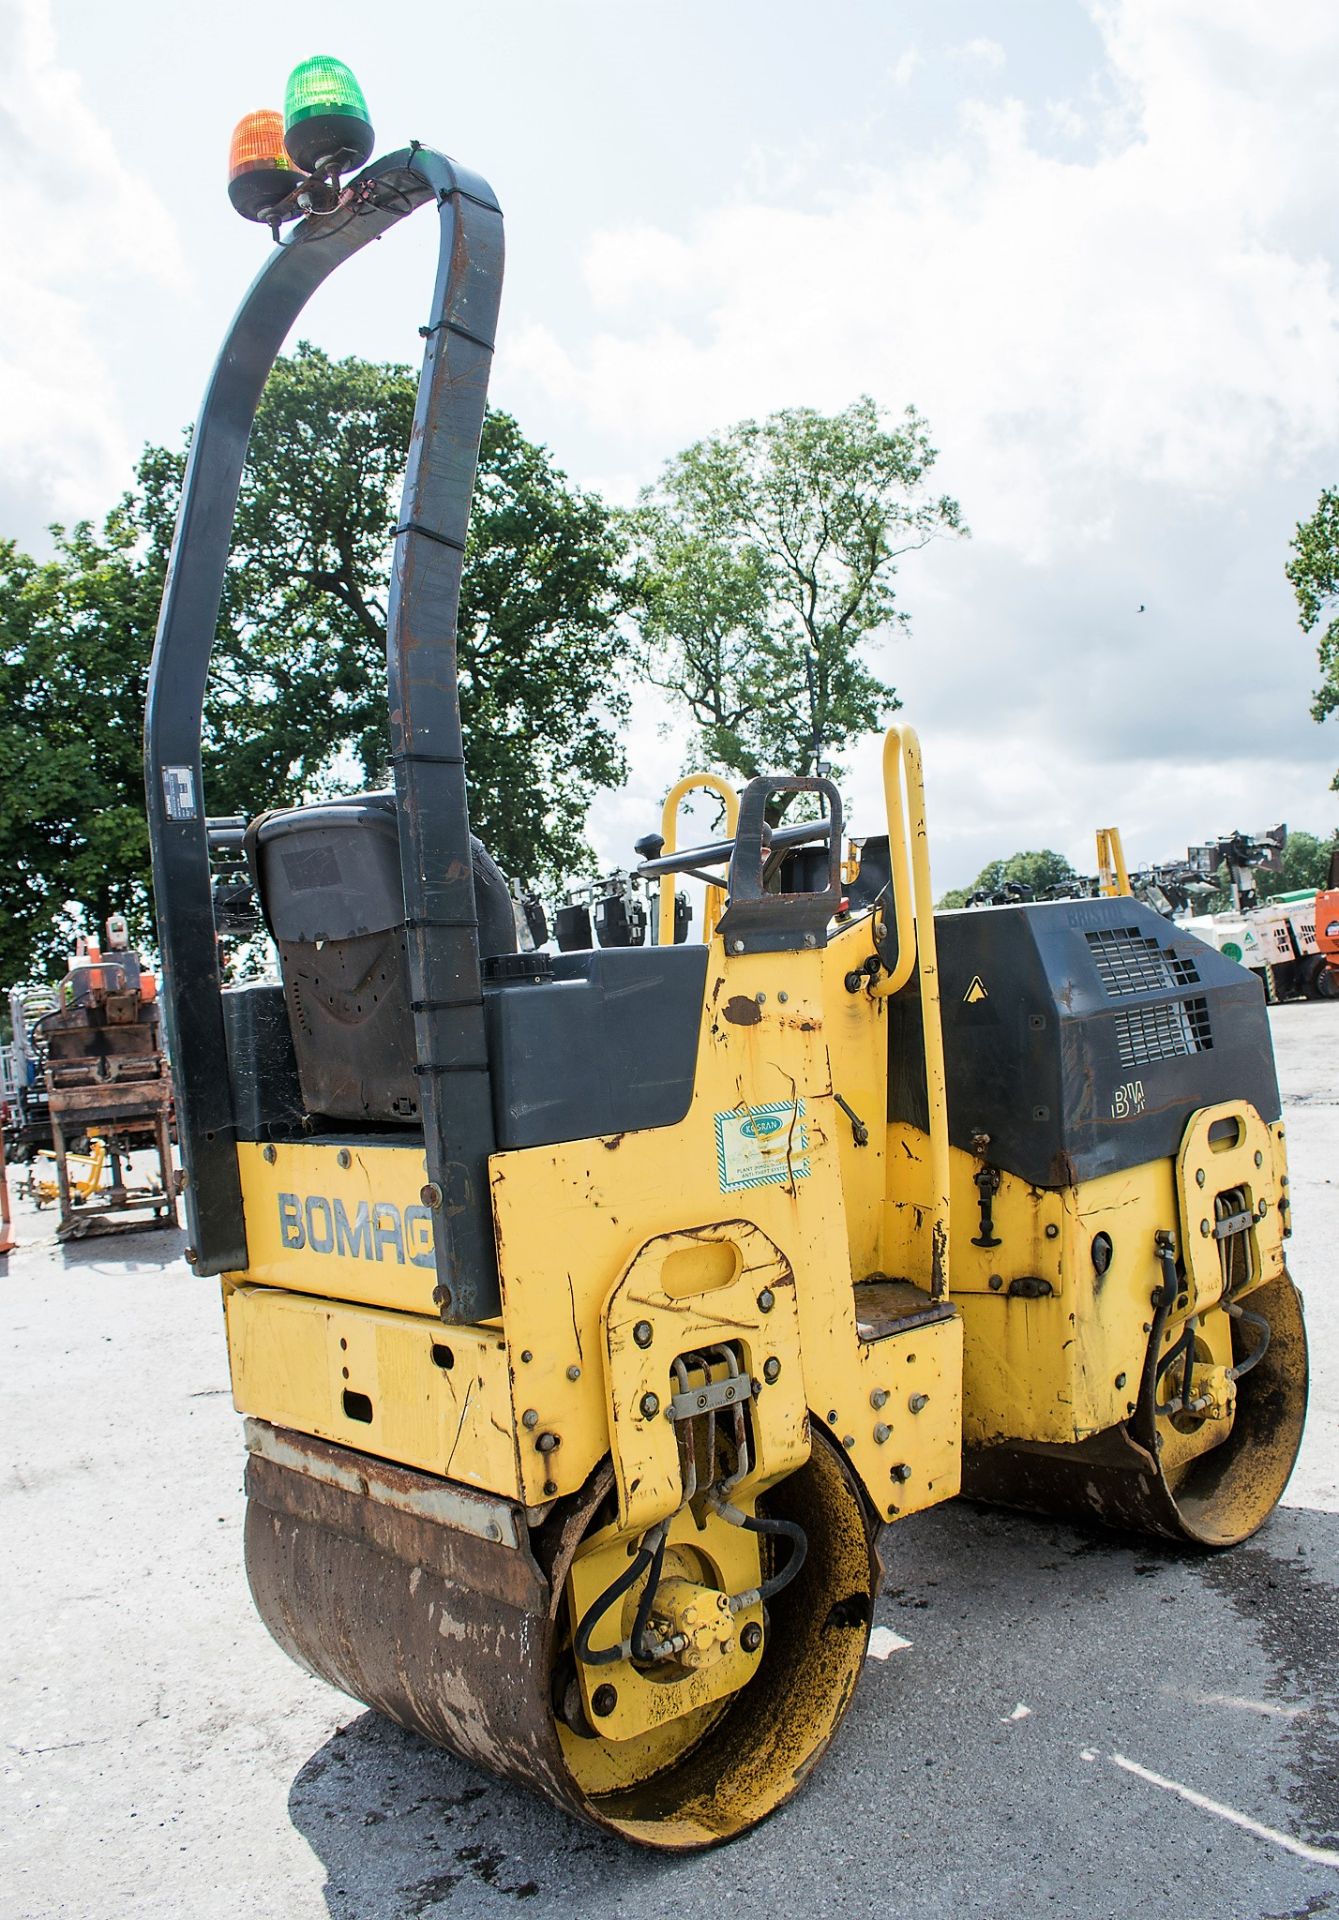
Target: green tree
[767,560]
[74,639]
[1040,872]
[1313,573]
[297,691]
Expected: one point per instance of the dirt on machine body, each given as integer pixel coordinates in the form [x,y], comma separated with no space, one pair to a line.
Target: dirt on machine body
[595,1313]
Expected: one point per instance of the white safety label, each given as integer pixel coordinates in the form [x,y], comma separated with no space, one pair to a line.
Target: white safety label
[179,793]
[762,1146]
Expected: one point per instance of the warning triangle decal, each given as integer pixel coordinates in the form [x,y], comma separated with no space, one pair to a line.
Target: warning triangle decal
[975,992]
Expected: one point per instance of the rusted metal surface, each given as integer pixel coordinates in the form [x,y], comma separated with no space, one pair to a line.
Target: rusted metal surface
[459,1637]
[105,1073]
[421,1495]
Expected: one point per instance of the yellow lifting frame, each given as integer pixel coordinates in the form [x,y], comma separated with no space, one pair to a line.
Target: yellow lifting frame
[914,925]
[1113,879]
[714,904]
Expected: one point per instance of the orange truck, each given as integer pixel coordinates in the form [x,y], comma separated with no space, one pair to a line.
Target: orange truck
[1327,932]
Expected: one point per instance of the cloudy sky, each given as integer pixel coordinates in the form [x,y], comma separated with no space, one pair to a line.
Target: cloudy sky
[1094,244]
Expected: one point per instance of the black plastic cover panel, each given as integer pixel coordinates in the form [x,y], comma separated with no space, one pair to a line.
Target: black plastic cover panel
[1081,1036]
[608,1046]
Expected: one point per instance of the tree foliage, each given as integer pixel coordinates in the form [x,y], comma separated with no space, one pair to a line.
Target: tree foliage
[767,559]
[1313,573]
[1038,872]
[297,693]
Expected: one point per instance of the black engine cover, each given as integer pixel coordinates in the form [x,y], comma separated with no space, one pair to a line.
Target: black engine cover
[1080,1035]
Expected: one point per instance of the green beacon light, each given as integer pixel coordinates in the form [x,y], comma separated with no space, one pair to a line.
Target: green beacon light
[326,128]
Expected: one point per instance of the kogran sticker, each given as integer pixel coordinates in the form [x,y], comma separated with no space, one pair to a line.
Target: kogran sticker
[762,1146]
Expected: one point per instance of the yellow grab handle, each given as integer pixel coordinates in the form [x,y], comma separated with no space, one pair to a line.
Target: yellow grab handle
[714,904]
[914,923]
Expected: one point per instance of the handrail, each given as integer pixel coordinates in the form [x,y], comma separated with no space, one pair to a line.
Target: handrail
[914,921]
[1113,879]
[713,905]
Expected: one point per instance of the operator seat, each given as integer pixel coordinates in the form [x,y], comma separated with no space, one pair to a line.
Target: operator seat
[328,881]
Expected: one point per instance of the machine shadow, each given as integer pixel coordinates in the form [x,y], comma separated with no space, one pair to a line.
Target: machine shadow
[124,1250]
[403,1829]
[399,1825]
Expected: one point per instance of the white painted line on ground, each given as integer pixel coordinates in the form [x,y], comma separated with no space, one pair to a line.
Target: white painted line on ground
[1319,1856]
[1270,1707]
[1020,1712]
[883,1641]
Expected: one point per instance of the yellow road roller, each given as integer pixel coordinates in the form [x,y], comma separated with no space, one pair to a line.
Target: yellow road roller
[593,1313]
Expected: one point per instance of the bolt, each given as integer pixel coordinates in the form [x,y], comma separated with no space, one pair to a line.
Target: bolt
[1205,1229]
[771,1370]
[441,1299]
[344,1158]
[832,1416]
[1263,1208]
[530,1418]
[269,1154]
[574,1373]
[879,1398]
[881,1433]
[736,946]
[526,1357]
[995,1282]
[900,1472]
[702,1400]
[1283,1179]
[917,1401]
[1259,1159]
[604,1700]
[431,1195]
[750,1638]
[1120,1379]
[191,1255]
[811,939]
[642,1333]
[761,999]
[550,1488]
[650,1406]
[1199,1176]
[783,997]
[1052,1231]
[848,1441]
[547,1442]
[766,1300]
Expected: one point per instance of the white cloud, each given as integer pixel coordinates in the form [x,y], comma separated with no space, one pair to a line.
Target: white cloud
[905,67]
[80,226]
[982,52]
[1129,360]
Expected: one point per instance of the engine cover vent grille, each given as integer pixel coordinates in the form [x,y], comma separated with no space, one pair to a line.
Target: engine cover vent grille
[1168,1031]
[1127,961]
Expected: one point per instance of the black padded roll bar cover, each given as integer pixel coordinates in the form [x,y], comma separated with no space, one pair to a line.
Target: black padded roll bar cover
[469,273]
[756,921]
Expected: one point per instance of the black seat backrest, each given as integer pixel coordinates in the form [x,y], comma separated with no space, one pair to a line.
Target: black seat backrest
[328,880]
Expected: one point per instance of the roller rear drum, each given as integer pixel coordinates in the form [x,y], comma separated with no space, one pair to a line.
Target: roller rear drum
[398,1595]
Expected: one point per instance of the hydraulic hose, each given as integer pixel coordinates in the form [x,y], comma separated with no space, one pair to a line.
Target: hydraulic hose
[605,1656]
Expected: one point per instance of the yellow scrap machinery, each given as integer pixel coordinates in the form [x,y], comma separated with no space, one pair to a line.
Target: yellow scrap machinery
[593,1314]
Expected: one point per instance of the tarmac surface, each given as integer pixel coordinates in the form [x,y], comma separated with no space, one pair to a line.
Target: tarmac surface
[1062,1722]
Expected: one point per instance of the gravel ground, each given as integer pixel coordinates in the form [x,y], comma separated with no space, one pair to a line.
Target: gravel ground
[1029,1750]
